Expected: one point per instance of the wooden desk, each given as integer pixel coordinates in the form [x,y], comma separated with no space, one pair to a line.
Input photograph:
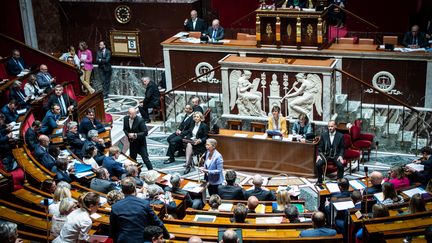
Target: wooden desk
[265,155]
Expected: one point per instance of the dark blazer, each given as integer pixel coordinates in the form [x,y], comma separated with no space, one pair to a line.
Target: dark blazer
[229,192]
[261,194]
[13,68]
[44,157]
[101,185]
[61,175]
[373,189]
[426,175]
[99,156]
[129,217]
[19,96]
[114,168]
[202,134]
[421,39]
[219,33]
[138,126]
[10,116]
[49,123]
[86,125]
[74,140]
[104,61]
[188,198]
[186,122]
[326,147]
[318,232]
[44,80]
[200,25]
[301,4]
[55,99]
[171,206]
[152,95]
[31,139]
[198,108]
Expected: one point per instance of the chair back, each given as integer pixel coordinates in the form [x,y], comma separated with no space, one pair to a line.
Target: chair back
[365,41]
[258,127]
[235,124]
[390,40]
[69,90]
[347,141]
[355,132]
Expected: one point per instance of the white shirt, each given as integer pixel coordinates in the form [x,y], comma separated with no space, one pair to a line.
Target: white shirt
[194,23]
[53,208]
[332,135]
[30,90]
[195,130]
[91,162]
[78,224]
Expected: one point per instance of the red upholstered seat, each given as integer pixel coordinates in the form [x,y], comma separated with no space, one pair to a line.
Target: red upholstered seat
[108,118]
[351,154]
[358,142]
[18,178]
[363,136]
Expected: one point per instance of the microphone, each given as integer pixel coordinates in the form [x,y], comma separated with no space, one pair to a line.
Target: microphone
[366,170]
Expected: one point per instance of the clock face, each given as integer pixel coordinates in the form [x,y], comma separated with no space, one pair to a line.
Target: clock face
[122,14]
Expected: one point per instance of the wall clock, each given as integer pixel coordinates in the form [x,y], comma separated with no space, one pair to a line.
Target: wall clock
[122,14]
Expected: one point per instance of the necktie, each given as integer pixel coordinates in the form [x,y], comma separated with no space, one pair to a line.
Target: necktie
[214,34]
[63,105]
[19,64]
[20,95]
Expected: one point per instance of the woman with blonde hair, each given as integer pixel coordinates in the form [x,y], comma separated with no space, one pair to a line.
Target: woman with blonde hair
[283,198]
[214,201]
[59,194]
[67,205]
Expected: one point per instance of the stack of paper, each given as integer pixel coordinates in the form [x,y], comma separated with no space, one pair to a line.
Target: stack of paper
[240,135]
[257,136]
[192,187]
[332,187]
[415,167]
[269,220]
[343,205]
[356,184]
[204,218]
[225,207]
[413,191]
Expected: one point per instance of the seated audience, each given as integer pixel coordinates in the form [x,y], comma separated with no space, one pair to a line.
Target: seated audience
[94,140]
[240,213]
[302,126]
[343,185]
[78,222]
[421,176]
[17,93]
[252,204]
[70,53]
[356,197]
[149,177]
[378,211]
[231,191]
[390,195]
[32,89]
[101,182]
[66,103]
[215,32]
[195,23]
[292,213]
[196,105]
[283,198]
[31,135]
[42,154]
[88,157]
[214,202]
[114,196]
[415,38]
[51,120]
[428,234]
[115,169]
[132,171]
[195,239]
[61,170]
[54,151]
[376,179]
[229,236]
[197,133]
[9,232]
[89,122]
[67,205]
[151,98]
[10,111]
[60,193]
[16,64]
[156,196]
[48,186]
[44,78]
[319,229]
[417,204]
[277,122]
[263,194]
[397,177]
[73,138]
[153,234]
[175,181]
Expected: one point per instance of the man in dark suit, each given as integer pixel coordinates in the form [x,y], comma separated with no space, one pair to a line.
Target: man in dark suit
[230,191]
[175,180]
[136,131]
[330,147]
[101,182]
[195,23]
[319,229]
[263,194]
[422,176]
[94,140]
[151,99]
[17,93]
[131,215]
[215,32]
[103,59]
[67,104]
[9,111]
[41,152]
[61,170]
[376,179]
[51,120]
[16,64]
[175,140]
[195,105]
[73,138]
[252,204]
[44,78]
[115,169]
[89,122]
[415,38]
[31,135]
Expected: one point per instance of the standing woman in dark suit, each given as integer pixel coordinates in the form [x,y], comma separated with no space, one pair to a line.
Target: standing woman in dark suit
[197,133]
[213,167]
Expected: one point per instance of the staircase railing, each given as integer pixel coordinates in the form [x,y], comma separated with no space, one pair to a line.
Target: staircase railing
[193,87]
[387,116]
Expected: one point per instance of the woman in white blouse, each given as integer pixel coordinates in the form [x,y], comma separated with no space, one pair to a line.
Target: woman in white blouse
[31,88]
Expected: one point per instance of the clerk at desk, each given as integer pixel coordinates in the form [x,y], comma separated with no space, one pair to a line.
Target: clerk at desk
[215,32]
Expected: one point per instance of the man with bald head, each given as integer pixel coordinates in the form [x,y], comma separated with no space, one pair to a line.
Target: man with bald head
[330,148]
[252,203]
[41,152]
[415,38]
[215,32]
[229,236]
[136,131]
[194,23]
[194,239]
[376,179]
[263,194]
[175,140]
[44,78]
[318,221]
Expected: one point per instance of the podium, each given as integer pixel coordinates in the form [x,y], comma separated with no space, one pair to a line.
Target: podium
[291,28]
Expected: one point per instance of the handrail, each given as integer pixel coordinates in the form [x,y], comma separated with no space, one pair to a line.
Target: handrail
[377,90]
[354,15]
[192,79]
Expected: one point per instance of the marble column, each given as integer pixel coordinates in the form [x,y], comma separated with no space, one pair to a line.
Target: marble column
[28,23]
[225,90]
[428,90]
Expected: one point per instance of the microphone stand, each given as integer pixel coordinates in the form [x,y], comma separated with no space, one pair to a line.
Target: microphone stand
[200,160]
[366,169]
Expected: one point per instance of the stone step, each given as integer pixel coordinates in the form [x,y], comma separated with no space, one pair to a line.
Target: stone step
[340,98]
[407,136]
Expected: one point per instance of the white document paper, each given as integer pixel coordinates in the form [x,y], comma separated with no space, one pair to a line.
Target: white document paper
[413,191]
[269,220]
[343,205]
[225,207]
[83,174]
[240,135]
[62,122]
[256,136]
[332,187]
[95,216]
[21,111]
[192,187]
[181,34]
[416,167]
[357,185]
[204,218]
[379,196]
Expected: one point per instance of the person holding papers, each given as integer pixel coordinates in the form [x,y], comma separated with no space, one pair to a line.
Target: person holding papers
[196,137]
[390,195]
[276,122]
[51,120]
[16,64]
[425,175]
[215,32]
[213,167]
[86,63]
[302,126]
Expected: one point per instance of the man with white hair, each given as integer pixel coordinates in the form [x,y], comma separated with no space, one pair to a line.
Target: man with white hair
[215,32]
[194,23]
[376,179]
[229,236]
[136,131]
[94,140]
[263,194]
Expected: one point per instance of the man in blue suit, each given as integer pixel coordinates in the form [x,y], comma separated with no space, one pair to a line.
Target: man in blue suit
[61,170]
[114,168]
[215,32]
[131,215]
[9,110]
[16,64]
[89,122]
[41,152]
[44,78]
[318,221]
[50,121]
